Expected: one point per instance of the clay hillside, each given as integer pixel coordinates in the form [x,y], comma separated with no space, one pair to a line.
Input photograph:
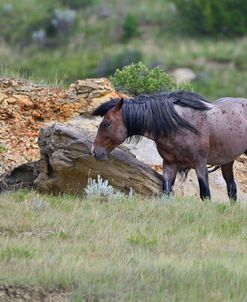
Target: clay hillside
[26,107]
[64,148]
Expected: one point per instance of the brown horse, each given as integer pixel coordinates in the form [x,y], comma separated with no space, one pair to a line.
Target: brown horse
[189,133]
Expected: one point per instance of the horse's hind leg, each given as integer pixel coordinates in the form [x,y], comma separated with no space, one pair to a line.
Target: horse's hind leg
[202,175]
[227,173]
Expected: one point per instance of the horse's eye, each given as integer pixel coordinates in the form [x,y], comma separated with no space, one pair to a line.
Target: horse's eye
[106,125]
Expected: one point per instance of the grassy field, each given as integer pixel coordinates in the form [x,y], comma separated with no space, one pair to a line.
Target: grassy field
[125,249]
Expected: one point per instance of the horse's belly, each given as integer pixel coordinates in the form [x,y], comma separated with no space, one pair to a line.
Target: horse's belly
[220,160]
[227,148]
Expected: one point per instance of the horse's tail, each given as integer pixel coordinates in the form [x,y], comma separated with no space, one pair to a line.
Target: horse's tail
[213,168]
[184,172]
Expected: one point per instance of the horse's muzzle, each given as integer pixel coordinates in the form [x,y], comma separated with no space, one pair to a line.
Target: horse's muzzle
[99,153]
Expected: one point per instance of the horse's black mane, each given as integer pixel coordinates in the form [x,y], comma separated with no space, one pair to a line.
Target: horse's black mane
[155,114]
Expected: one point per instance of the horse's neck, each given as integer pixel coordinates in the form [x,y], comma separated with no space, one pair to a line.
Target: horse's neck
[139,130]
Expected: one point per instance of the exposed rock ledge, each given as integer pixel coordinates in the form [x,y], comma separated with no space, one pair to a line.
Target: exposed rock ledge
[25,107]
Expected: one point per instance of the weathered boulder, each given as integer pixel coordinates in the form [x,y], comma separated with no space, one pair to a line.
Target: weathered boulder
[66,164]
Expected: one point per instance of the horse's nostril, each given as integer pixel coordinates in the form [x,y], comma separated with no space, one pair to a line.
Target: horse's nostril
[94,154]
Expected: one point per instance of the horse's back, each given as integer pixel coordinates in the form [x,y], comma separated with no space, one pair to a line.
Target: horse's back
[231,102]
[230,107]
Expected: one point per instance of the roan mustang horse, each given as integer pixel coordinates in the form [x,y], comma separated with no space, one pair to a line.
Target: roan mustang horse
[189,133]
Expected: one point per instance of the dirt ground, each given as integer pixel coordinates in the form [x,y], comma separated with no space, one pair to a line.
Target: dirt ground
[9,293]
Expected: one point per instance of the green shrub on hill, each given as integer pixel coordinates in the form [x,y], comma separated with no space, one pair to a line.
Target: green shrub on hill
[212,17]
[137,78]
[130,27]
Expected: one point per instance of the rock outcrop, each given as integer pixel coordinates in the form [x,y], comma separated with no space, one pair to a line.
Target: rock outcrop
[66,164]
[25,107]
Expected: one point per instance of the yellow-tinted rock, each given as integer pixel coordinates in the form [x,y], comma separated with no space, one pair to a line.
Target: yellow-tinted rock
[11,100]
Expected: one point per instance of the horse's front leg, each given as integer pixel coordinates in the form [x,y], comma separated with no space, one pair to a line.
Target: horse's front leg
[169,176]
[202,175]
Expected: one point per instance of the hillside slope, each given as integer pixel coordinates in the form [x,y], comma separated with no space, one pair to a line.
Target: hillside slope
[63,40]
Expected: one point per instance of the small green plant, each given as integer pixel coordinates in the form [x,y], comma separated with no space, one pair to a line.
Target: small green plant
[63,235]
[137,78]
[141,239]
[2,148]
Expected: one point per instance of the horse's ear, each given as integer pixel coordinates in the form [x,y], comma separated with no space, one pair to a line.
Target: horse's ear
[119,105]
